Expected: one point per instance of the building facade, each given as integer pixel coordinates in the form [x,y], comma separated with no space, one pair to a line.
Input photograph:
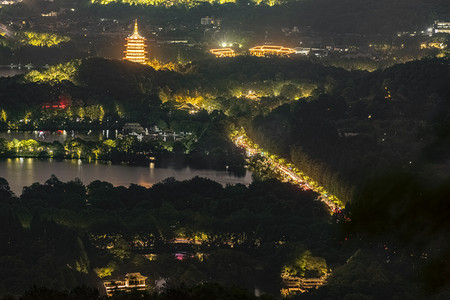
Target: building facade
[223,52]
[441,27]
[135,47]
[269,50]
[132,281]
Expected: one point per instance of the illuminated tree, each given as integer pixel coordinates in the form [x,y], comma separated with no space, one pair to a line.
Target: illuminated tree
[3,116]
[306,265]
[109,145]
[55,74]
[106,271]
[42,39]
[95,112]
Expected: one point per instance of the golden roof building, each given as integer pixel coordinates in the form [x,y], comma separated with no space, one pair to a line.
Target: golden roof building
[267,50]
[135,47]
[223,52]
[132,281]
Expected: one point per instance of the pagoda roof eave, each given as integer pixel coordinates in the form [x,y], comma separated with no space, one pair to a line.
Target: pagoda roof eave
[136,36]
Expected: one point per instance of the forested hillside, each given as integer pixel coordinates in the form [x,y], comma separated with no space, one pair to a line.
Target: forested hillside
[378,140]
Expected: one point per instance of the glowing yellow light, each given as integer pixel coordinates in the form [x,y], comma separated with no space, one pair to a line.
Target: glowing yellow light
[135,47]
[223,52]
[271,50]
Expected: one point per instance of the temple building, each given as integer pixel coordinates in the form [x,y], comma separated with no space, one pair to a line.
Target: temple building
[223,52]
[269,50]
[132,281]
[135,47]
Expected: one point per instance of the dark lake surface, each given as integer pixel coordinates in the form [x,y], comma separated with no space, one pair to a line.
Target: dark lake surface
[8,72]
[20,172]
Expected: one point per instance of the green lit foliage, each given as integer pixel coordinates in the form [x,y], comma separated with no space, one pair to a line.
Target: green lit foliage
[306,265]
[105,271]
[157,65]
[121,249]
[3,115]
[75,147]
[109,144]
[23,148]
[127,148]
[95,112]
[55,74]
[239,231]
[42,39]
[82,263]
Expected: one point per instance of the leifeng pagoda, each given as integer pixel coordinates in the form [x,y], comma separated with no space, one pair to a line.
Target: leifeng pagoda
[135,47]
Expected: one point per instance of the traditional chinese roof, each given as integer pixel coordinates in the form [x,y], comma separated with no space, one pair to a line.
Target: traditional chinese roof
[223,52]
[136,35]
[280,50]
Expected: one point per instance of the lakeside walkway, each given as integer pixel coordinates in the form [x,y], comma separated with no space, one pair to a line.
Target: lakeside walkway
[286,173]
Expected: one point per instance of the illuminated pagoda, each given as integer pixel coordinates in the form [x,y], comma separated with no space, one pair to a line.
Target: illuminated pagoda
[135,47]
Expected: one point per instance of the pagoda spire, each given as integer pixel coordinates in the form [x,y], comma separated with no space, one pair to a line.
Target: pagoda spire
[135,27]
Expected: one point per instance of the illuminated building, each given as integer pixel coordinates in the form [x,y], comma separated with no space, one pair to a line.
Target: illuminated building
[302,50]
[63,103]
[267,50]
[223,52]
[189,107]
[441,27]
[133,127]
[430,45]
[135,47]
[298,285]
[50,14]
[210,21]
[251,95]
[132,281]
[10,2]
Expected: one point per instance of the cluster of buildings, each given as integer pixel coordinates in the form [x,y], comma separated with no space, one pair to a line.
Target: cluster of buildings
[441,27]
[437,28]
[266,50]
[153,133]
[131,281]
[135,49]
[272,50]
[223,52]
[297,285]
[9,2]
[206,21]
[261,51]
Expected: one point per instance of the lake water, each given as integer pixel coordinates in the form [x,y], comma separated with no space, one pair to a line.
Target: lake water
[8,72]
[20,172]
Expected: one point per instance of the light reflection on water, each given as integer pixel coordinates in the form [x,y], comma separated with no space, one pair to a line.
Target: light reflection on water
[8,72]
[21,172]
